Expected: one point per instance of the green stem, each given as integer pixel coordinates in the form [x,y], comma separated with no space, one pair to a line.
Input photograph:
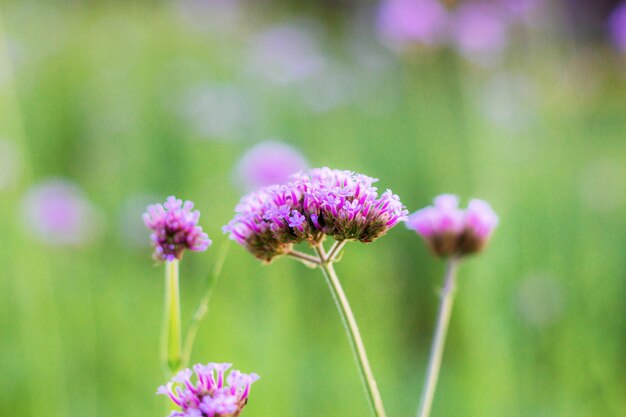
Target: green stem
[203,305]
[436,350]
[171,333]
[354,336]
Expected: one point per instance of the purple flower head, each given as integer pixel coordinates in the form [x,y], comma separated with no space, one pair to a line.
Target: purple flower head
[211,394]
[175,228]
[411,21]
[480,31]
[450,230]
[268,163]
[58,213]
[617,27]
[314,203]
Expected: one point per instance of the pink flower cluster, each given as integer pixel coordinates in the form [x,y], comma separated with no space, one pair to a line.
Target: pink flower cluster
[449,230]
[314,203]
[175,228]
[212,395]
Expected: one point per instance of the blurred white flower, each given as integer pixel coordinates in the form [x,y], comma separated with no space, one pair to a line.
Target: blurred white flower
[509,101]
[220,111]
[602,185]
[540,301]
[286,54]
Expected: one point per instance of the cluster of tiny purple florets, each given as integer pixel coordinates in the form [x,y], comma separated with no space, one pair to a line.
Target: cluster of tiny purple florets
[175,228]
[212,395]
[341,204]
[450,230]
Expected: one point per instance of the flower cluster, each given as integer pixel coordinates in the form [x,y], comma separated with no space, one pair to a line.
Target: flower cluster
[450,230]
[314,203]
[175,228]
[212,395]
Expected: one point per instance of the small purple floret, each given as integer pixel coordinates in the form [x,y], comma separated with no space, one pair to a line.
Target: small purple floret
[211,395]
[313,204]
[450,230]
[175,228]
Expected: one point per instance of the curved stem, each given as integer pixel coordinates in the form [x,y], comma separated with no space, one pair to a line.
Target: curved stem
[171,333]
[203,304]
[436,350]
[354,336]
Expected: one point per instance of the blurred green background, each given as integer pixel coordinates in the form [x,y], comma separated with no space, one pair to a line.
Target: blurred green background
[134,102]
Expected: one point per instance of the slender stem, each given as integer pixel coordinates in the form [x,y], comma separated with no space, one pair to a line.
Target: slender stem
[436,350]
[305,258]
[335,250]
[354,336]
[203,304]
[171,333]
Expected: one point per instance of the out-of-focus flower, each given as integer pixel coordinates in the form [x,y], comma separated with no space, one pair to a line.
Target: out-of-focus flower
[540,301]
[480,31]
[58,213]
[333,87]
[221,16]
[617,27]
[448,230]
[287,53]
[412,21]
[268,163]
[322,201]
[175,228]
[212,394]
[601,185]
[219,112]
[509,101]
[520,9]
[10,164]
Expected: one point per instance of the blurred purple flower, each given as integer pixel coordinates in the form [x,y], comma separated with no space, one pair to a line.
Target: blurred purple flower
[286,54]
[318,202]
[617,27]
[520,9]
[480,31]
[408,21]
[268,163]
[175,228]
[448,230]
[58,213]
[213,394]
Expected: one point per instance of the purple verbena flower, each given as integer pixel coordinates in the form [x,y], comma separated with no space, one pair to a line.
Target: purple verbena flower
[268,163]
[450,230]
[212,394]
[58,213]
[175,228]
[322,201]
[480,31]
[412,21]
[617,27]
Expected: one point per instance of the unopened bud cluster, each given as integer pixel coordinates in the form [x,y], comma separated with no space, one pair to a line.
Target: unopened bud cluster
[321,202]
[449,230]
